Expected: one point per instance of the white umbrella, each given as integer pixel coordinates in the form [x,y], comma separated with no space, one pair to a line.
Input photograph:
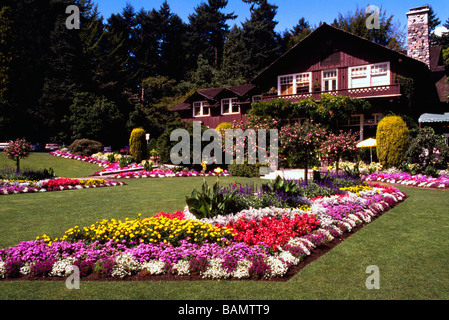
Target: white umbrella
[368,143]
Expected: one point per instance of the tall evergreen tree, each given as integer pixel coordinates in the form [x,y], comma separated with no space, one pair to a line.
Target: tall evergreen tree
[62,79]
[172,44]
[259,36]
[293,36]
[207,31]
[32,23]
[234,56]
[7,56]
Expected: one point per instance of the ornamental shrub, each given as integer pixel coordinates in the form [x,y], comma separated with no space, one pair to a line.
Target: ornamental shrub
[427,148]
[223,126]
[245,170]
[392,141]
[138,145]
[85,147]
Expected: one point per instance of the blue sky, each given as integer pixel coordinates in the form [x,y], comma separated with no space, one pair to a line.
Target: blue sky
[289,11]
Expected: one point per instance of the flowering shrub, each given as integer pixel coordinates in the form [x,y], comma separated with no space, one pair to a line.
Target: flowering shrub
[303,140]
[338,146]
[17,150]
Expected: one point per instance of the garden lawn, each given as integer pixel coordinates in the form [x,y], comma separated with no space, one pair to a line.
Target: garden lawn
[409,245]
[61,167]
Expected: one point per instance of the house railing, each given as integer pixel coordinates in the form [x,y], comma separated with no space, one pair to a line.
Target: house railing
[393,90]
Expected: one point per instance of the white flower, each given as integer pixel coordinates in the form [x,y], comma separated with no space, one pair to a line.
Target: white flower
[215,270]
[182,267]
[63,267]
[154,267]
[125,265]
[242,270]
[2,269]
[278,268]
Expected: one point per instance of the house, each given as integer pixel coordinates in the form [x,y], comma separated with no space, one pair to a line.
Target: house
[216,105]
[336,62]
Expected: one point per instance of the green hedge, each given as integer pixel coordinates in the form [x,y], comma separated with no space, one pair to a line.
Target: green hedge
[392,141]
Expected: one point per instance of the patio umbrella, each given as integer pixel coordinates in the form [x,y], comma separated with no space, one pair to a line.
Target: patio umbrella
[368,143]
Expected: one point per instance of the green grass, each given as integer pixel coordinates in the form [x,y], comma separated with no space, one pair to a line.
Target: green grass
[62,167]
[409,244]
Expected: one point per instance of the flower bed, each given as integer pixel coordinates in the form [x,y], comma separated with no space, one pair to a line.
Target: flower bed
[135,171]
[255,243]
[68,155]
[406,179]
[59,184]
[158,173]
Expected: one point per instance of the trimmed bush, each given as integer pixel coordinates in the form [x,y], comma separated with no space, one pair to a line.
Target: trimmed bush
[245,170]
[85,147]
[223,126]
[138,145]
[392,141]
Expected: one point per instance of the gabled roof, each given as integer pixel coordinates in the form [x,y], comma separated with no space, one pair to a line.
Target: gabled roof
[242,89]
[326,31]
[212,94]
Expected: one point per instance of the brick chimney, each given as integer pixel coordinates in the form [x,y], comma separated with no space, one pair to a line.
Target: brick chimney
[418,34]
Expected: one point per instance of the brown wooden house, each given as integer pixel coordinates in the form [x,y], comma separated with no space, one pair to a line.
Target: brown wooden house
[336,62]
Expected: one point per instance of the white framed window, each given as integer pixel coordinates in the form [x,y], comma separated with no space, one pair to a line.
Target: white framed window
[294,83]
[230,106]
[302,83]
[201,109]
[330,80]
[369,75]
[286,85]
[380,74]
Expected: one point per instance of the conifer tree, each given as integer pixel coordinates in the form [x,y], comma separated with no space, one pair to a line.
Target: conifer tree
[259,36]
[207,31]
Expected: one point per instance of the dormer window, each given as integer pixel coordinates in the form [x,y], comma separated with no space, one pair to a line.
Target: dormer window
[201,109]
[230,106]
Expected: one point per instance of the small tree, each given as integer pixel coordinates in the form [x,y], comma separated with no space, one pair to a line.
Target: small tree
[303,140]
[138,145]
[17,150]
[339,146]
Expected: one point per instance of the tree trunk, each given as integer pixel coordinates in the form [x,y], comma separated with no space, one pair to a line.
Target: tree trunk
[306,170]
[18,164]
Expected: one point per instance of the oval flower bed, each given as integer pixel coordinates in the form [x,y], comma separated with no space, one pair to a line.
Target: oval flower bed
[407,179]
[135,171]
[59,184]
[264,243]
